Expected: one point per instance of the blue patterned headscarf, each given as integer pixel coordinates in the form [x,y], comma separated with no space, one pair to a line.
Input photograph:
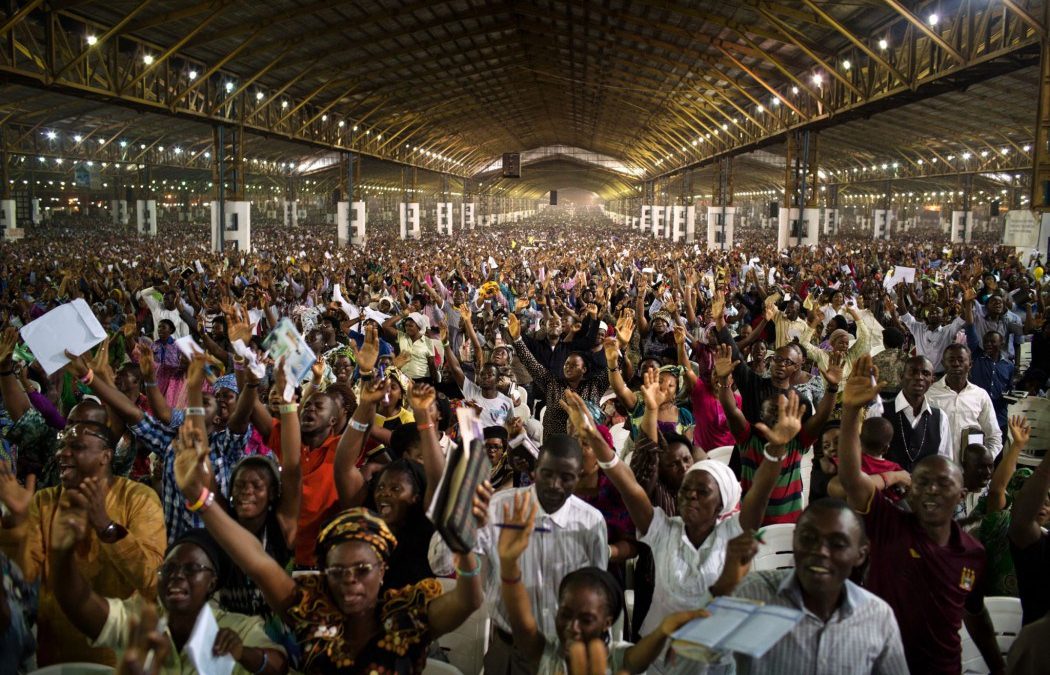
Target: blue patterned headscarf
[227,382]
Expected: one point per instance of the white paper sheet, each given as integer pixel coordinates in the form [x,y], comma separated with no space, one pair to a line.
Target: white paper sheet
[70,326]
[188,346]
[258,369]
[898,275]
[201,642]
[348,309]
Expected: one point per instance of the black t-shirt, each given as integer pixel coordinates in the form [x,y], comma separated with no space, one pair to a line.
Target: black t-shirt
[1032,564]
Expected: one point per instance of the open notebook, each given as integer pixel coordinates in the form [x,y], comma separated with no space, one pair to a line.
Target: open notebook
[735,625]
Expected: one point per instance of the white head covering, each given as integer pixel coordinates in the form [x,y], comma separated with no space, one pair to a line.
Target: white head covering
[421,321]
[728,485]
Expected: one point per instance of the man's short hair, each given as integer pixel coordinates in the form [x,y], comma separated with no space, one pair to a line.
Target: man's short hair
[837,505]
[562,446]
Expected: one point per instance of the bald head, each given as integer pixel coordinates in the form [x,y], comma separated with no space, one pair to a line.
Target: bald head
[88,410]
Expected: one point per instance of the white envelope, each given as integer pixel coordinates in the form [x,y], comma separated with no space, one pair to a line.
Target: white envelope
[70,326]
[201,642]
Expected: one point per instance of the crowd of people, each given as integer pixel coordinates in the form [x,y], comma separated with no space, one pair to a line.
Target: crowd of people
[648,410]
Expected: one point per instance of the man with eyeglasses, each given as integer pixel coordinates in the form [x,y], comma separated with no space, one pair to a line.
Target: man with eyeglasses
[125,532]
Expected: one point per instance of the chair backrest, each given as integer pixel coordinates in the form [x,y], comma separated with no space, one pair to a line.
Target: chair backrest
[721,454]
[777,552]
[1036,410]
[464,646]
[1005,613]
[74,669]
[435,667]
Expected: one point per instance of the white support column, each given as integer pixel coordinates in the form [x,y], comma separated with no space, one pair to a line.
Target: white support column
[690,224]
[35,216]
[805,233]
[342,223]
[358,224]
[444,218]
[466,216]
[645,223]
[8,221]
[882,223]
[962,226]
[237,226]
[146,217]
[715,240]
[831,221]
[658,221]
[294,206]
[409,219]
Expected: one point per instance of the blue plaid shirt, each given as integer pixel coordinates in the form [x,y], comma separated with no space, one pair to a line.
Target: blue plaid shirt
[227,448]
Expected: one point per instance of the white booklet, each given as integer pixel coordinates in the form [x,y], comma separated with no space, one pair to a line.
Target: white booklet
[70,326]
[200,643]
[736,625]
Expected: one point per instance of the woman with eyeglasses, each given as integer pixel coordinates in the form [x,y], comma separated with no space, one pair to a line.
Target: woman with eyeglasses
[343,618]
[190,574]
[122,545]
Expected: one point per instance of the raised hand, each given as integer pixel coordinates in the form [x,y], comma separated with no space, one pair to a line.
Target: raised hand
[771,312]
[130,328]
[372,395]
[517,526]
[421,397]
[192,465]
[625,328]
[100,362]
[652,392]
[513,327]
[70,525]
[679,335]
[146,363]
[1020,430]
[90,496]
[718,305]
[464,314]
[12,495]
[195,372]
[612,351]
[833,373]
[368,352]
[8,342]
[739,553]
[147,649]
[789,421]
[724,363]
[480,503]
[862,386]
[238,326]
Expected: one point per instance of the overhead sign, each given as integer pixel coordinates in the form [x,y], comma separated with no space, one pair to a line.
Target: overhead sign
[512,165]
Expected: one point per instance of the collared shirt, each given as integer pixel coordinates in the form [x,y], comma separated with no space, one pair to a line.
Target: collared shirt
[932,343]
[1006,325]
[994,376]
[115,570]
[227,448]
[116,633]
[421,351]
[860,637]
[901,405]
[971,407]
[787,330]
[576,538]
[684,572]
[859,348]
[875,329]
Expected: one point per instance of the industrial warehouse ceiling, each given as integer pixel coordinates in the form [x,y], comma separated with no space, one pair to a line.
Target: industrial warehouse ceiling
[599,95]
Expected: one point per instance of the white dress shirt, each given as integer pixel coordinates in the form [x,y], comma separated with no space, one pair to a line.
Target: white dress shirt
[932,343]
[576,538]
[901,405]
[971,407]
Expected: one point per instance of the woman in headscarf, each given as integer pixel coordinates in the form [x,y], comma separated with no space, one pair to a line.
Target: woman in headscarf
[671,416]
[590,601]
[343,619]
[690,548]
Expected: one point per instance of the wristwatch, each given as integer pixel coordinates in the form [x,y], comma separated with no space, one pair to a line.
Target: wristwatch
[112,533]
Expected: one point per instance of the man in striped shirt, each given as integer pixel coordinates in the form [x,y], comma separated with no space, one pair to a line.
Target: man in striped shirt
[844,628]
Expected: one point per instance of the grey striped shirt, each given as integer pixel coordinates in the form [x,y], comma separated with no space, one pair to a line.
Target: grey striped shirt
[862,636]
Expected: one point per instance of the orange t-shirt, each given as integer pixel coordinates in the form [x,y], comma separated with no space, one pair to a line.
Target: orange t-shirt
[320,499]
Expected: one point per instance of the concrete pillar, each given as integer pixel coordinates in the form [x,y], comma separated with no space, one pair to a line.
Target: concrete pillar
[690,224]
[466,215]
[409,219]
[962,226]
[715,239]
[35,214]
[797,227]
[882,223]
[8,223]
[119,210]
[831,218]
[146,217]
[444,218]
[237,226]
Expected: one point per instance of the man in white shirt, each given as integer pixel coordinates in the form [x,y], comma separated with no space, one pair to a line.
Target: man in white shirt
[932,338]
[169,310]
[965,404]
[569,534]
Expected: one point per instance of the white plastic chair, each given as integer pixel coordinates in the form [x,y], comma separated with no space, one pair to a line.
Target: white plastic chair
[74,669]
[1036,410]
[1006,620]
[466,646]
[435,667]
[721,454]
[778,551]
[806,468]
